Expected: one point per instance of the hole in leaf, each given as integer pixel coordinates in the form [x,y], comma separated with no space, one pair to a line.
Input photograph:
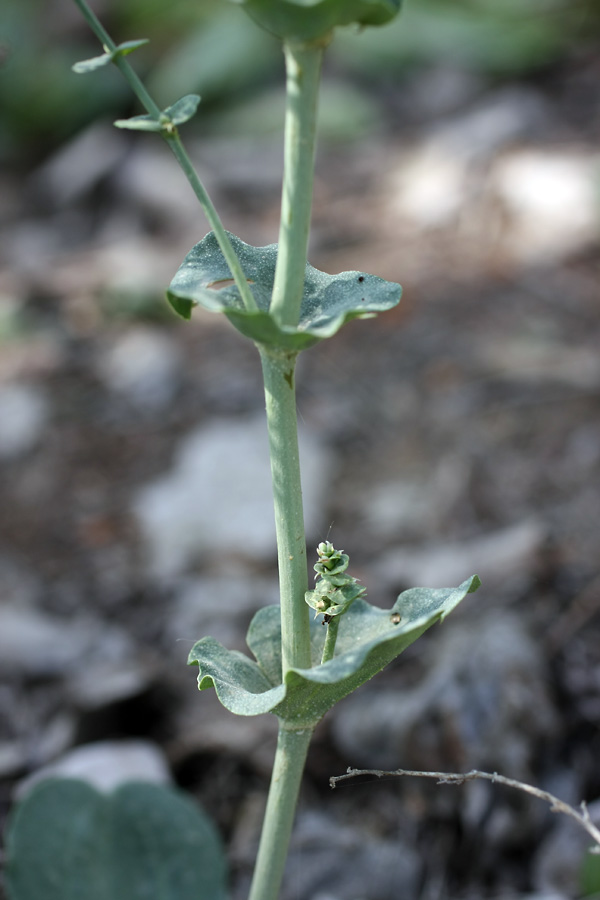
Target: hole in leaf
[223,283]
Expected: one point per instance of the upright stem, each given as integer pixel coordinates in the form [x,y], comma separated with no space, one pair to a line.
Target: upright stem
[303,67]
[178,150]
[237,273]
[330,639]
[290,756]
[280,396]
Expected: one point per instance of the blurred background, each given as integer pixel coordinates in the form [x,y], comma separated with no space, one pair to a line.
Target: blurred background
[460,433]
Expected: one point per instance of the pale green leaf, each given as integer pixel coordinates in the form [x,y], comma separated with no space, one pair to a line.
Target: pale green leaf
[142,842]
[96,62]
[181,111]
[368,639]
[329,301]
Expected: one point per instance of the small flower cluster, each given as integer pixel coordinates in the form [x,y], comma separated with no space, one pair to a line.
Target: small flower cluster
[334,590]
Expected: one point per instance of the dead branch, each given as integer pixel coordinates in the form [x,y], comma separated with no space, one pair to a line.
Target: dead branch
[559,806]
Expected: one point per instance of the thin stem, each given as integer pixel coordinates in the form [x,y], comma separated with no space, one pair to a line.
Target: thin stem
[290,756]
[330,638]
[120,62]
[237,273]
[582,818]
[303,67]
[180,154]
[280,396]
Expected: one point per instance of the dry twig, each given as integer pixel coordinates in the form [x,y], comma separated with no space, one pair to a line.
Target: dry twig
[556,805]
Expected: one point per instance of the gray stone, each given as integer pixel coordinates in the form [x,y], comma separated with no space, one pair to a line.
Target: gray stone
[220,606]
[551,199]
[36,643]
[499,119]
[484,703]
[437,179]
[78,165]
[334,860]
[105,765]
[144,366]
[503,555]
[23,415]
[558,862]
[216,501]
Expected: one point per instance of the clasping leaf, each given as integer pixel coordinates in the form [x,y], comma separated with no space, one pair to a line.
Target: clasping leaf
[368,639]
[329,301]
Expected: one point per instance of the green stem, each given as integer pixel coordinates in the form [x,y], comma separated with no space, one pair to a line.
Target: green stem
[303,67]
[330,638]
[180,154]
[280,396]
[237,273]
[290,756]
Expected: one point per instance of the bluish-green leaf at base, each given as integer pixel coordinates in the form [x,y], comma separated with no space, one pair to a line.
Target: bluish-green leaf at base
[142,842]
[96,62]
[329,301]
[368,639]
[180,112]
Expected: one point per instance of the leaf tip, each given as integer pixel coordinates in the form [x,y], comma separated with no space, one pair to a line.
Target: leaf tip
[475,584]
[181,306]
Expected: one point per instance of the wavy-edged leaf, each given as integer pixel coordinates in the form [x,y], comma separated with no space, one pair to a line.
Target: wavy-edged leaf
[96,62]
[328,302]
[181,111]
[142,842]
[309,20]
[368,639]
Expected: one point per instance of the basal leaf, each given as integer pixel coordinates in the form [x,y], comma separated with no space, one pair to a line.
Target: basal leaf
[329,301]
[142,842]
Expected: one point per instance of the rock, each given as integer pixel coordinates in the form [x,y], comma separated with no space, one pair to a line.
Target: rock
[220,606]
[11,758]
[551,198]
[505,555]
[331,860]
[411,507]
[143,365]
[77,166]
[535,360]
[203,726]
[441,90]
[23,414]
[483,704]
[437,178]
[20,586]
[558,863]
[216,501]
[34,643]
[150,179]
[105,765]
[499,119]
[99,686]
